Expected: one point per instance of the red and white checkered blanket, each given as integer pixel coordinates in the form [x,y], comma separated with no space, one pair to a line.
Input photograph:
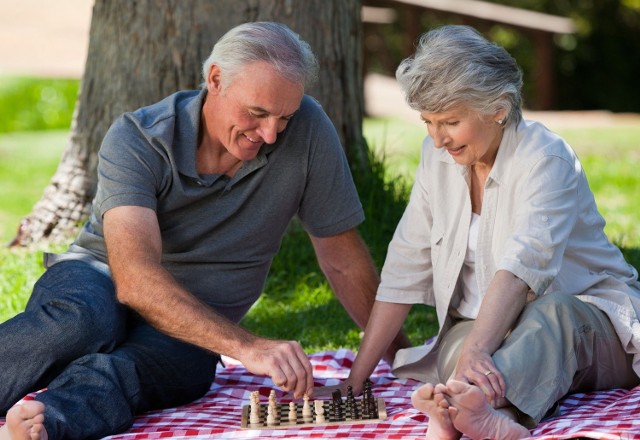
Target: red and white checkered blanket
[613,414]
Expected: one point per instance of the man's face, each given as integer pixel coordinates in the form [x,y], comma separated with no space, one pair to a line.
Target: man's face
[251,110]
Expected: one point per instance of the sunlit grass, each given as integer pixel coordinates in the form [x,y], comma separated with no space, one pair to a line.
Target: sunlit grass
[27,162]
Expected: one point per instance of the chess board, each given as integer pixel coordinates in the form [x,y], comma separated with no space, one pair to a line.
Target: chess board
[283,422]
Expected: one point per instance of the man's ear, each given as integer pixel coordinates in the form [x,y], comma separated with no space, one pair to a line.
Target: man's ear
[214,80]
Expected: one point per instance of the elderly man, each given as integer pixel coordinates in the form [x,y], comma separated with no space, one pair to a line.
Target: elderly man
[194,195]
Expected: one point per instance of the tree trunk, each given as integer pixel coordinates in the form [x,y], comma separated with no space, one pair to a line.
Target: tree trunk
[141,51]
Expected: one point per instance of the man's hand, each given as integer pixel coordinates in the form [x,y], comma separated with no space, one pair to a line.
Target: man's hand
[134,245]
[284,361]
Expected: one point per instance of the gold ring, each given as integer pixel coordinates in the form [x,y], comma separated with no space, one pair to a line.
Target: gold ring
[488,372]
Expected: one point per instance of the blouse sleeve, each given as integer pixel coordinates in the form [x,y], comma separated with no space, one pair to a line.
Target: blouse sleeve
[407,274]
[544,219]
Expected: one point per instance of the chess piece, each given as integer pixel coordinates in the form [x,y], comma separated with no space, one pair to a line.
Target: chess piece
[293,414]
[254,415]
[271,417]
[351,405]
[306,408]
[273,402]
[336,397]
[369,401]
[319,408]
[366,407]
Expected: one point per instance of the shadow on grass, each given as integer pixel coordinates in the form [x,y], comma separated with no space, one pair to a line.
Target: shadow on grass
[632,255]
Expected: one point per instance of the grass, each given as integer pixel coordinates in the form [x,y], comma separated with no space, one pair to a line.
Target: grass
[27,162]
[30,104]
[297,302]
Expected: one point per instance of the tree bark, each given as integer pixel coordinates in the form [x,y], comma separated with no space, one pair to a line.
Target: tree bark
[141,51]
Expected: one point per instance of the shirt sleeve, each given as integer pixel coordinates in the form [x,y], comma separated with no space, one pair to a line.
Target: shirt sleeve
[544,220]
[127,169]
[330,203]
[407,274]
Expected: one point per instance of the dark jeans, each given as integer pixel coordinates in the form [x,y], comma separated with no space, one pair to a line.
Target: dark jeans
[100,363]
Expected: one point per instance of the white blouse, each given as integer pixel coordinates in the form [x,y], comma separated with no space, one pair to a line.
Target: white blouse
[471,295]
[539,221]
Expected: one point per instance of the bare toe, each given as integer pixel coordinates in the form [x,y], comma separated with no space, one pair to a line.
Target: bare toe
[435,406]
[471,414]
[25,422]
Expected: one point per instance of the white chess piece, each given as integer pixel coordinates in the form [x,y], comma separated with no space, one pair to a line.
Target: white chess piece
[293,414]
[306,408]
[254,415]
[318,404]
[271,418]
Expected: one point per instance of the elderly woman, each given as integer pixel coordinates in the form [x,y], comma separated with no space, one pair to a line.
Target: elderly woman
[502,236]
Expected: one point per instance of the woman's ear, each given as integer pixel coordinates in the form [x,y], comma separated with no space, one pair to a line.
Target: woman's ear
[500,117]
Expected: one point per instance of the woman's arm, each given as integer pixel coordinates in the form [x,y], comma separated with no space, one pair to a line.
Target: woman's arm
[384,324]
[501,307]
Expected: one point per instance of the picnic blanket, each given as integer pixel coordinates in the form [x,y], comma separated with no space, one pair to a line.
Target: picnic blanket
[612,414]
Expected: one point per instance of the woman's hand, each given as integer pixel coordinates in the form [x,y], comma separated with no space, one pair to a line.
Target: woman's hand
[476,367]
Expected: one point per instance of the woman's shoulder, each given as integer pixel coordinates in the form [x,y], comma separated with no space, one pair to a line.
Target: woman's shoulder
[535,140]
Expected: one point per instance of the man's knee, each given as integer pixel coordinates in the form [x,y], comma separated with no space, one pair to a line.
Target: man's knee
[81,301]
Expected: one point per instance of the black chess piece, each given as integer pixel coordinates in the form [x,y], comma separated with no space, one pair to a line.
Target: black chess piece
[337,404]
[368,401]
[352,405]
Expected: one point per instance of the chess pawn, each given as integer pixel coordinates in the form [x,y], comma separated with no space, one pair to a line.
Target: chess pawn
[319,408]
[293,414]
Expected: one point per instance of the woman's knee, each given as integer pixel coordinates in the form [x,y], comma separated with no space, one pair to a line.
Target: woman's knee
[557,308]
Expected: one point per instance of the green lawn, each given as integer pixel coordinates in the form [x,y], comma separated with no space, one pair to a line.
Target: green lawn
[297,303]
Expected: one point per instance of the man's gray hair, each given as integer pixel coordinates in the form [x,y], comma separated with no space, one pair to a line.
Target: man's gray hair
[456,66]
[269,42]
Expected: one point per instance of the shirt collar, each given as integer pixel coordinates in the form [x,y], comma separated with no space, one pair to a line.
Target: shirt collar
[188,114]
[506,150]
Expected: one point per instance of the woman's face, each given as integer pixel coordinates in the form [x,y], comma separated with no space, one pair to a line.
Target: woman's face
[470,138]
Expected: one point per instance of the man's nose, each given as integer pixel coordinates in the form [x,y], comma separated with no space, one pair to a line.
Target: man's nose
[268,130]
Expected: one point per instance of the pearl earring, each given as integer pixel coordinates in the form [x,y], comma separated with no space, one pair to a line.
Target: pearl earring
[500,121]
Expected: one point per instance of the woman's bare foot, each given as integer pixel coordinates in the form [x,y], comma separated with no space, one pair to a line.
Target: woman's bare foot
[472,415]
[430,401]
[25,422]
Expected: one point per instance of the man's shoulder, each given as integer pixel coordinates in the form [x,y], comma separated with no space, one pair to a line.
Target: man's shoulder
[168,108]
[310,106]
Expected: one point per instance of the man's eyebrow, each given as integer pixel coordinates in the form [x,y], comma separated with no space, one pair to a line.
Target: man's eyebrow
[263,110]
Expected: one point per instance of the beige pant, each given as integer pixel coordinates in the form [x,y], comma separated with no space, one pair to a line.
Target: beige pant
[559,345]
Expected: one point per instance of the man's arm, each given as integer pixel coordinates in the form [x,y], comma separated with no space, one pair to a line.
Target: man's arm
[134,245]
[347,264]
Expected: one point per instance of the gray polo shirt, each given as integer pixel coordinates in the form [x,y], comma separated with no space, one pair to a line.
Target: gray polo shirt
[219,235]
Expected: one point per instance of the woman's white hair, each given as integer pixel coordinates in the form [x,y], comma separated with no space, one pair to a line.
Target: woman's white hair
[456,66]
[269,42]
